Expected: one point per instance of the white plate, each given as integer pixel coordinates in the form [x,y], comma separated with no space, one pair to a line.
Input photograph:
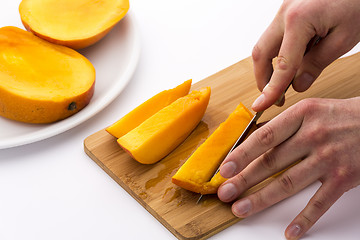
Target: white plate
[115,58]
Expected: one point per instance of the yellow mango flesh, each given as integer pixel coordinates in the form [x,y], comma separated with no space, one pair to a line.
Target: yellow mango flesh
[147,109]
[41,82]
[195,173]
[157,136]
[73,23]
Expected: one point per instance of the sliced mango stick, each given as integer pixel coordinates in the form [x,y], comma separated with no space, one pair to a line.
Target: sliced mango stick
[195,173]
[158,135]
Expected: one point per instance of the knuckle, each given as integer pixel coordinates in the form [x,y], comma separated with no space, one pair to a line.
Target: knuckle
[307,106]
[295,15]
[242,158]
[319,205]
[306,220]
[265,136]
[286,183]
[259,200]
[282,63]
[318,135]
[256,53]
[316,132]
[268,160]
[292,15]
[241,181]
[344,177]
[324,152]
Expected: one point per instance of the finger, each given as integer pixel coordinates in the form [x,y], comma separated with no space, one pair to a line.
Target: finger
[287,184]
[268,136]
[264,51]
[319,57]
[323,199]
[281,101]
[296,38]
[268,164]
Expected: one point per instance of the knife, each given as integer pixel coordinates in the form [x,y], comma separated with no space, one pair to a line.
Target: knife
[315,40]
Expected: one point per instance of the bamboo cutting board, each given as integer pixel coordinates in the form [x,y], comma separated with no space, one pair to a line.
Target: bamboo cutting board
[151,185]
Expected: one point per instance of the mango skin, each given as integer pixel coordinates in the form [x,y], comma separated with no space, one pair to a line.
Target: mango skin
[73,23]
[195,173]
[157,136]
[41,82]
[147,109]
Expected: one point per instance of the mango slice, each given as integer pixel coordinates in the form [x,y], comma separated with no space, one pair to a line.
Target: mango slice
[157,136]
[195,173]
[72,23]
[147,109]
[41,82]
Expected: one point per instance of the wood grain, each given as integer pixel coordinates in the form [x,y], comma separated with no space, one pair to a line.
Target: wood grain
[151,185]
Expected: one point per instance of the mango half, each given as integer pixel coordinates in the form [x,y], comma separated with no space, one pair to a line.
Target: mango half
[147,109]
[157,136]
[195,173]
[72,23]
[41,82]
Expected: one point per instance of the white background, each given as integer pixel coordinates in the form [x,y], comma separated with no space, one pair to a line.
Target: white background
[52,190]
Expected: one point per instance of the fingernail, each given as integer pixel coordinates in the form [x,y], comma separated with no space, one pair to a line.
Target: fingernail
[294,231]
[227,192]
[258,101]
[242,207]
[228,170]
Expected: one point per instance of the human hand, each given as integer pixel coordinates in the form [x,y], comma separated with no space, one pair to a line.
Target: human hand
[323,133]
[288,37]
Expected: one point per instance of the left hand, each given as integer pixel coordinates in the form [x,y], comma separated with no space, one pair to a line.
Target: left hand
[293,32]
[323,133]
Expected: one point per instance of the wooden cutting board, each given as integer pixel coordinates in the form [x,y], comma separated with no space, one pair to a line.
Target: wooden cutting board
[151,185]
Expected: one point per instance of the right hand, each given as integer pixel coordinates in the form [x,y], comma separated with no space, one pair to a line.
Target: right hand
[324,134]
[297,23]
